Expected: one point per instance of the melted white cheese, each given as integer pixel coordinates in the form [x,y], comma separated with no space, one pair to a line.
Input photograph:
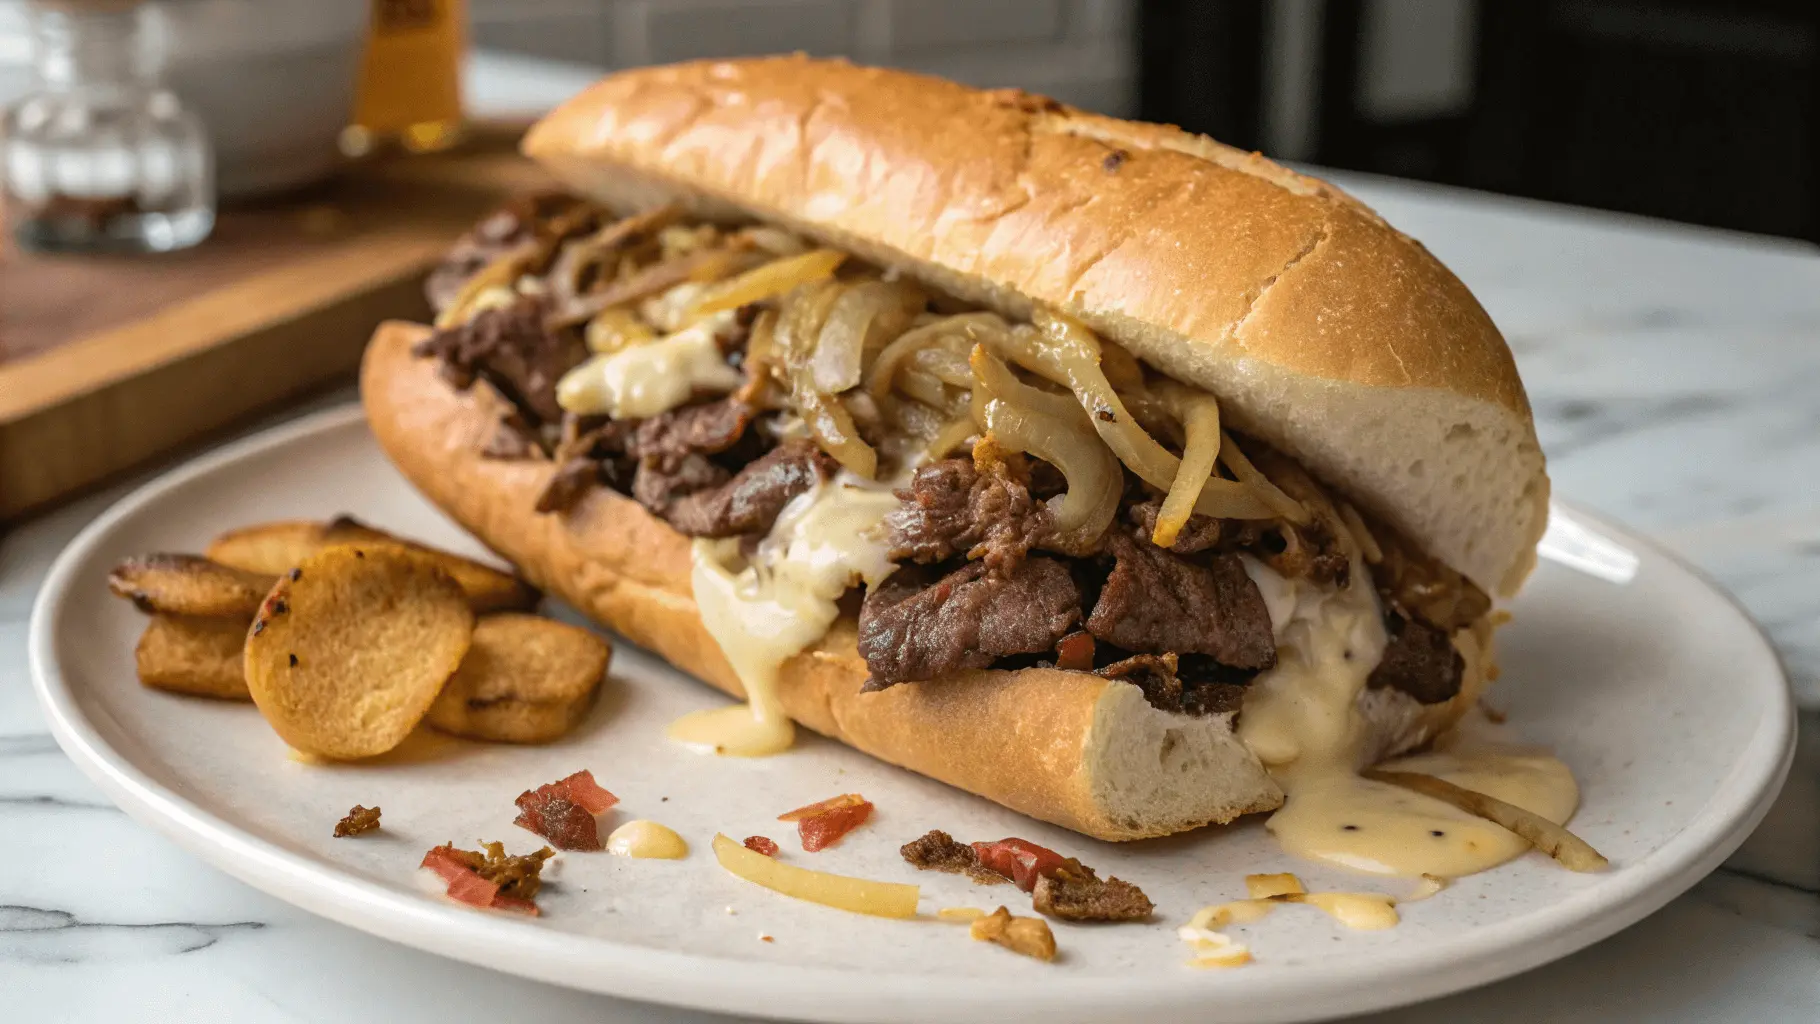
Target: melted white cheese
[1302,720]
[768,610]
[649,379]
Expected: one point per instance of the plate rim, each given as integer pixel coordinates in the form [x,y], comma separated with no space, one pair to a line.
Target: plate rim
[747,987]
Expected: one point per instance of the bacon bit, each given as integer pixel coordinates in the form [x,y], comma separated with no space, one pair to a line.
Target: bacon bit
[563,811]
[588,793]
[1020,860]
[761,844]
[1075,652]
[463,871]
[821,825]
[823,807]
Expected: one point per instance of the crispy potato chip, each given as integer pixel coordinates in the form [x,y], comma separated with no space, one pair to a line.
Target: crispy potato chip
[525,680]
[1573,853]
[277,547]
[189,585]
[199,656]
[346,655]
[271,548]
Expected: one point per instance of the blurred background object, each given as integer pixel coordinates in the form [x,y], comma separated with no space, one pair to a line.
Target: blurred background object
[273,80]
[410,80]
[99,154]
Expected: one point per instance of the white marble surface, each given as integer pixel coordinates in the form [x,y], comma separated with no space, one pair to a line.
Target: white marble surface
[1676,378]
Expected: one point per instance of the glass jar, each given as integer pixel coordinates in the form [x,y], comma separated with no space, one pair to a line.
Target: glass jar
[103,156]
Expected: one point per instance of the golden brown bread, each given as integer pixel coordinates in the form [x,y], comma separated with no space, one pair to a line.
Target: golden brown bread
[1066,747]
[1323,330]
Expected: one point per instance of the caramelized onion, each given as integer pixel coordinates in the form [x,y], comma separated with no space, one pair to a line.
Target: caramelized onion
[615,329]
[948,367]
[1200,415]
[1022,418]
[951,330]
[805,310]
[767,281]
[1281,504]
[502,272]
[1361,533]
[951,436]
[862,320]
[701,265]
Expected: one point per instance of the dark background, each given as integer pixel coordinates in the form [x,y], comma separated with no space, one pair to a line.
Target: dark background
[1698,111]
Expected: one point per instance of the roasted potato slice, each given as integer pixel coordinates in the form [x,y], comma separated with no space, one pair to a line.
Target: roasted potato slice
[351,647]
[194,655]
[525,680]
[177,584]
[277,546]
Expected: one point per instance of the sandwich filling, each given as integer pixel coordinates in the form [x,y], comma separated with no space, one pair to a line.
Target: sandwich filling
[990,494]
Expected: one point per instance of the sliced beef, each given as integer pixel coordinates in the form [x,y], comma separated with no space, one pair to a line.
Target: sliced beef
[1198,534]
[711,428]
[659,482]
[920,624]
[1161,679]
[1422,588]
[750,502]
[510,349]
[506,228]
[1420,660]
[1158,603]
[951,509]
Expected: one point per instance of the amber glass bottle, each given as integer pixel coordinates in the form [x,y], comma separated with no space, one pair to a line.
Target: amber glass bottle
[410,84]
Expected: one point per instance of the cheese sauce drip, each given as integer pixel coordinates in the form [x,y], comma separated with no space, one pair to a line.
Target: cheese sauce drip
[768,610]
[1302,720]
[647,840]
[653,378]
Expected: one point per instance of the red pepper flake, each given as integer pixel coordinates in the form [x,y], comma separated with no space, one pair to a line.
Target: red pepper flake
[563,811]
[1020,860]
[761,844]
[822,824]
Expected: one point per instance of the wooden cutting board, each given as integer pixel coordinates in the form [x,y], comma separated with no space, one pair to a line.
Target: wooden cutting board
[107,362]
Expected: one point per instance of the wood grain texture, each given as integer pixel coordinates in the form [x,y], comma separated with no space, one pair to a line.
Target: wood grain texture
[108,362]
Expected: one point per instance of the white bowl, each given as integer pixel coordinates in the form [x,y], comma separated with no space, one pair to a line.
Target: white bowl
[273,80]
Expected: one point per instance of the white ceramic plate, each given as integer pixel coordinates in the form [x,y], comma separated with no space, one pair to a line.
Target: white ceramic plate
[1661,695]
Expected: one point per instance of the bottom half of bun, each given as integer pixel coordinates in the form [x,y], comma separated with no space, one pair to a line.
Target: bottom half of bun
[1071,748]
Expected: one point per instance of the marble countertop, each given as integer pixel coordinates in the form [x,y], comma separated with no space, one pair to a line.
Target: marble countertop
[1675,374]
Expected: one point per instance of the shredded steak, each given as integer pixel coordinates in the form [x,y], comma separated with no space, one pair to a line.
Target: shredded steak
[938,851]
[711,428]
[1160,677]
[951,508]
[1200,533]
[1158,603]
[750,502]
[1420,660]
[509,349]
[661,482]
[915,626]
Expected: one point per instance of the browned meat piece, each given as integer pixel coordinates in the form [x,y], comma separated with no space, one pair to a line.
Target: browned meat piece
[1075,893]
[359,819]
[1159,676]
[660,482]
[1158,603]
[502,230]
[709,428]
[1423,588]
[915,626]
[1199,534]
[951,508]
[750,502]
[1420,660]
[936,850]
[509,349]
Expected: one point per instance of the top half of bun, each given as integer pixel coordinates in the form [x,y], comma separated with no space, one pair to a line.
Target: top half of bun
[1322,329]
